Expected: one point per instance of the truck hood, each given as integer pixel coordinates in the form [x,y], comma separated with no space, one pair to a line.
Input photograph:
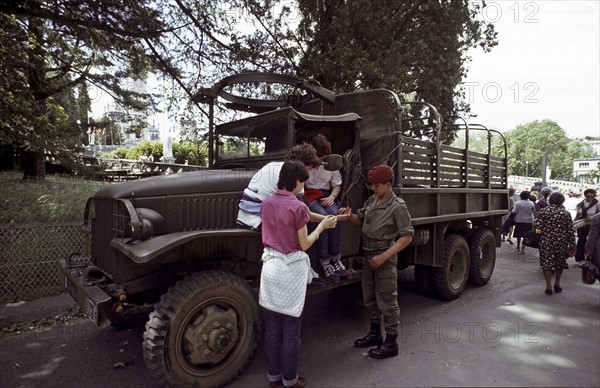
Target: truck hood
[193,182]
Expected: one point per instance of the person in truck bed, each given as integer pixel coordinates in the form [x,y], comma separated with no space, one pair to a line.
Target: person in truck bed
[386,230]
[321,191]
[264,184]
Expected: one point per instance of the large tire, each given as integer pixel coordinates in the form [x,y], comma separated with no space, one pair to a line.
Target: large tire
[202,332]
[482,248]
[423,279]
[449,280]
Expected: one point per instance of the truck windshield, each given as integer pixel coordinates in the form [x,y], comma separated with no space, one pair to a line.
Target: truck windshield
[253,137]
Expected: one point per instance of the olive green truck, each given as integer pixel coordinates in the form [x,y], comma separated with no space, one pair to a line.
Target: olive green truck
[165,251]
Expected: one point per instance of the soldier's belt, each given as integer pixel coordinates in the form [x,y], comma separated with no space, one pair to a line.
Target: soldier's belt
[376,245]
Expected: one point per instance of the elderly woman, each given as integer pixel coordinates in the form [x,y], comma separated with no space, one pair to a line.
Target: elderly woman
[557,240]
[523,211]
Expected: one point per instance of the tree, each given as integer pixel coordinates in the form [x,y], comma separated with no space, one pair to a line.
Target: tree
[49,48]
[410,47]
[527,142]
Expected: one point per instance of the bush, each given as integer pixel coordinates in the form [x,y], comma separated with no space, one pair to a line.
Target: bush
[57,199]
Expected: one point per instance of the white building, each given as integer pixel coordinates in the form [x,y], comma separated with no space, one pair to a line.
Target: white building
[586,170]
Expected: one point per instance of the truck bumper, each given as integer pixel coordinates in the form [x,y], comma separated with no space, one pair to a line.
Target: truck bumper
[90,299]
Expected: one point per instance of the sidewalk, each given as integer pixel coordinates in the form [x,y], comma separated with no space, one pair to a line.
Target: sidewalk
[26,311]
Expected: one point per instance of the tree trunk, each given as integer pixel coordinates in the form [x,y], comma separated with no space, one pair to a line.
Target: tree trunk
[33,165]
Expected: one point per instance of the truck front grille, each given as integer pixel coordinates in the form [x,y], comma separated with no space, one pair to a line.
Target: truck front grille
[111,220]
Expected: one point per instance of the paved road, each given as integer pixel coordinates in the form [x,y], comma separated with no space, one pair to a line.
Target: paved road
[508,333]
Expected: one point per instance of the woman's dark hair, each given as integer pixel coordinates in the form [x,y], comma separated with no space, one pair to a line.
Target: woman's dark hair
[305,153]
[556,198]
[589,191]
[291,172]
[532,198]
[322,145]
[524,194]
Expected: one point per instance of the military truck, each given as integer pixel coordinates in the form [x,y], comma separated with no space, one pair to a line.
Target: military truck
[165,250]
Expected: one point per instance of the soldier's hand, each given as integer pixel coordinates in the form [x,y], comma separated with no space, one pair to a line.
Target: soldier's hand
[377,261]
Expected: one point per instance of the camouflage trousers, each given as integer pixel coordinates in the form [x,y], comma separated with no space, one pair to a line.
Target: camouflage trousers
[380,292]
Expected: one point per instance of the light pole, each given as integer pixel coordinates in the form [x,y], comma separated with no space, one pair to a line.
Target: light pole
[526,169]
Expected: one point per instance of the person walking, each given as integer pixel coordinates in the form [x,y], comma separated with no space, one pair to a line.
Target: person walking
[286,272]
[322,190]
[543,201]
[557,240]
[523,212]
[586,209]
[386,230]
[592,245]
[507,232]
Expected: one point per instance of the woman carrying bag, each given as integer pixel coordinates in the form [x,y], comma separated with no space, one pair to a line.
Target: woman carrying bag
[557,240]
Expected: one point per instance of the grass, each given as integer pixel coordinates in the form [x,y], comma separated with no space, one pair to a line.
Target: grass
[57,199]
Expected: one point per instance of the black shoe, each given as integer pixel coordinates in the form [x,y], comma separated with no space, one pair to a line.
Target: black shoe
[557,289]
[509,241]
[371,339]
[548,291]
[386,350]
[330,274]
[340,269]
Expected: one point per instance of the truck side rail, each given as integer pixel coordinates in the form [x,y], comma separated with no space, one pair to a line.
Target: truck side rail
[433,164]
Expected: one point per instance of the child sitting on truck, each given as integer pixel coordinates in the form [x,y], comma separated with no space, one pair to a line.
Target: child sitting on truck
[322,190]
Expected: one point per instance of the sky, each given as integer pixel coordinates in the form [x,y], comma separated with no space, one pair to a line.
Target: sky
[545,66]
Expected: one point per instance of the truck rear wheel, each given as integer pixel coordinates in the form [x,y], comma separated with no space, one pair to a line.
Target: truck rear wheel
[482,248]
[202,332]
[449,280]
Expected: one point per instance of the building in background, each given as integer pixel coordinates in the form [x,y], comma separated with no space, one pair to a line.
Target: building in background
[587,170]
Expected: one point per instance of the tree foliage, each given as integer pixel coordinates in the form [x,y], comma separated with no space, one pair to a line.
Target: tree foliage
[409,47]
[527,142]
[195,153]
[50,47]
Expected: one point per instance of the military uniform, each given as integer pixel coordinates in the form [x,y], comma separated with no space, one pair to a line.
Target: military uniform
[382,224]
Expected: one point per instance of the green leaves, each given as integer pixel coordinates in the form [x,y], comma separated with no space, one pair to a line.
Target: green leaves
[529,141]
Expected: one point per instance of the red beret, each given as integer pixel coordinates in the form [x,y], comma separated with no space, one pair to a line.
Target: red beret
[381,174]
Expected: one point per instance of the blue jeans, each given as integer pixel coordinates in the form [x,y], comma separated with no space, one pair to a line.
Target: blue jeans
[282,347]
[328,244]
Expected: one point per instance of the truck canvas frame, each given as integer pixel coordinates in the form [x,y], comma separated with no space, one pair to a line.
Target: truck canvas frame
[165,251]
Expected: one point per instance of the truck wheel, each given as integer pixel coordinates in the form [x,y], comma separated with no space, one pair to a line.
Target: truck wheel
[202,332]
[423,279]
[482,247]
[449,280]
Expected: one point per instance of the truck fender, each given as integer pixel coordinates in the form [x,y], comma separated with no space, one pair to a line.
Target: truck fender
[146,251]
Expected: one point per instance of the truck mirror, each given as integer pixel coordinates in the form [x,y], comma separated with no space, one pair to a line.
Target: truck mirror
[333,162]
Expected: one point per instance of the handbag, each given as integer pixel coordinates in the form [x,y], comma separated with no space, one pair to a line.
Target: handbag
[532,239]
[506,225]
[589,272]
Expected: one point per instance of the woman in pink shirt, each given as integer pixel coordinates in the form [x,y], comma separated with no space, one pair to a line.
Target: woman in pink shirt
[286,272]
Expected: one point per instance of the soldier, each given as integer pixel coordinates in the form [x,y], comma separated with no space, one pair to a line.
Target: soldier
[386,230]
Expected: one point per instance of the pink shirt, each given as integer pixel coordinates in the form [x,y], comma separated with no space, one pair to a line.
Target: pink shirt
[282,216]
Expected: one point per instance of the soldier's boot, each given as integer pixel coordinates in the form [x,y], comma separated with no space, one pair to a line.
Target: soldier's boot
[374,338]
[388,349]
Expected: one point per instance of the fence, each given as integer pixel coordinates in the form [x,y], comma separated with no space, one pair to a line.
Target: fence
[28,256]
